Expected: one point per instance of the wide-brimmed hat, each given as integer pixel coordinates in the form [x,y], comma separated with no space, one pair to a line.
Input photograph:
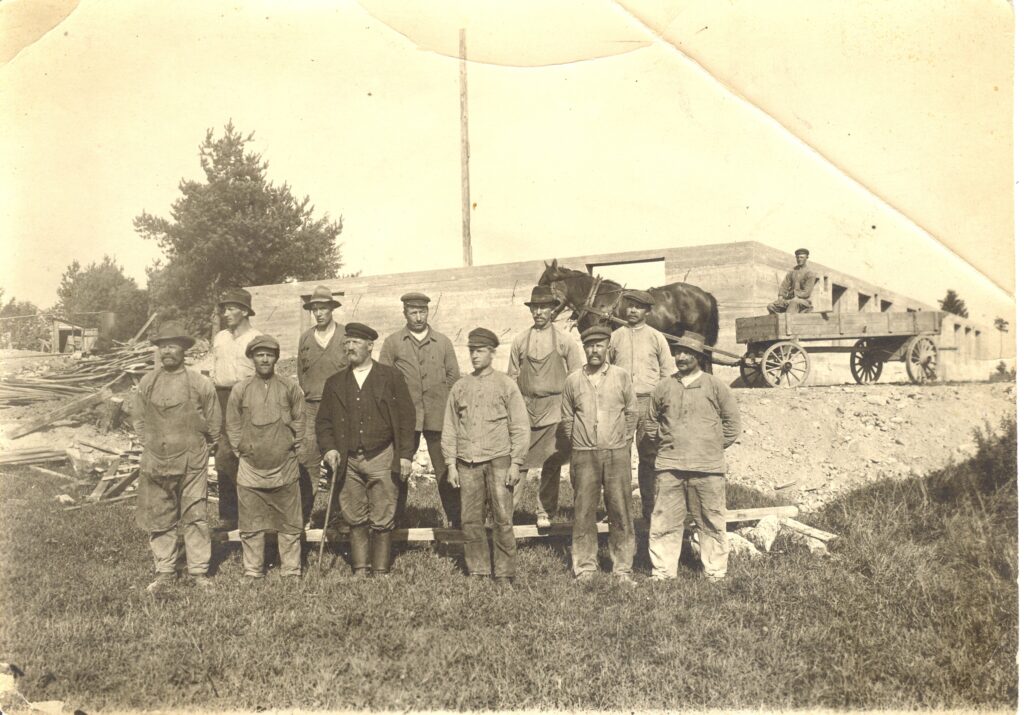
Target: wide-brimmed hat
[482,338]
[416,299]
[262,341]
[173,331]
[694,342]
[596,332]
[358,330]
[804,251]
[321,294]
[542,295]
[237,296]
[639,296]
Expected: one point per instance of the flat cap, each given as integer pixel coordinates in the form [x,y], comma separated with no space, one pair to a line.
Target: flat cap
[358,330]
[639,296]
[804,251]
[237,296]
[415,298]
[262,341]
[596,332]
[482,338]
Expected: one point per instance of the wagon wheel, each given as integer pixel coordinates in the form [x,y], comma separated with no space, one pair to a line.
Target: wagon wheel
[785,364]
[750,369]
[865,363]
[922,358]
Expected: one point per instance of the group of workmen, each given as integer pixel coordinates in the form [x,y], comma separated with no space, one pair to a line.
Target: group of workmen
[559,402]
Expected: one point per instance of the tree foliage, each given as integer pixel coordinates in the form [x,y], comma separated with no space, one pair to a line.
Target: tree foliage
[236,228]
[952,303]
[22,326]
[98,287]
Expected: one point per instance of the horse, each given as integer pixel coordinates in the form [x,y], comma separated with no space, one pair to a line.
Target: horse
[677,306]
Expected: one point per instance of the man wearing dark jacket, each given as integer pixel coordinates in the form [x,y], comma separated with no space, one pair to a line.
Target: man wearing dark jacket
[364,427]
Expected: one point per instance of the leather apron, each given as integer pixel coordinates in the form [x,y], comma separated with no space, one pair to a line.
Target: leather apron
[541,381]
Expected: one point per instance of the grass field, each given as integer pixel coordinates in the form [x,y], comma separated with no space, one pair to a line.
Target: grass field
[916,608]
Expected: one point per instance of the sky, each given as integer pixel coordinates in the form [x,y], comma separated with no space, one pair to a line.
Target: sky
[877,134]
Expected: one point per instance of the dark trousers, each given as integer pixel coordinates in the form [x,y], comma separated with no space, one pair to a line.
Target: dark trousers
[591,470]
[450,500]
[227,465]
[483,483]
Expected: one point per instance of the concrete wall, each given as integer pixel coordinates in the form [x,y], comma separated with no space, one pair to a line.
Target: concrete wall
[744,277]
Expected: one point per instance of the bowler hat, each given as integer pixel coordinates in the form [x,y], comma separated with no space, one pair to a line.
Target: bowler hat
[237,296]
[694,342]
[596,332]
[482,338]
[262,341]
[321,294]
[416,299]
[173,331]
[804,251]
[639,296]
[542,295]
[358,330]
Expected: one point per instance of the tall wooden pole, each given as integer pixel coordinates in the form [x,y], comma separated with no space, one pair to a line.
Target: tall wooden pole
[467,244]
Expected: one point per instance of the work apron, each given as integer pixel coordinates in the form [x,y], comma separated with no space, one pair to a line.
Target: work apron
[541,381]
[172,427]
[270,502]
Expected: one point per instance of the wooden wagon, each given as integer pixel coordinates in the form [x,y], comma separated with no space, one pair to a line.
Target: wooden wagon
[778,356]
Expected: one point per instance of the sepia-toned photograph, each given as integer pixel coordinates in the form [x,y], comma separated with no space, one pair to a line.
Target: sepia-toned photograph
[639,356]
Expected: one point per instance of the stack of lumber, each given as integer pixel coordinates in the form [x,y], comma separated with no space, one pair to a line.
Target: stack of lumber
[32,455]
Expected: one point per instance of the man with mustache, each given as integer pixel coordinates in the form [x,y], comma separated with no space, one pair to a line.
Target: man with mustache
[321,354]
[177,419]
[541,358]
[265,427]
[692,417]
[427,360]
[365,427]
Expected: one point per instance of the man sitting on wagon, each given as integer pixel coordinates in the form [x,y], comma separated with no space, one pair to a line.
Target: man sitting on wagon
[797,287]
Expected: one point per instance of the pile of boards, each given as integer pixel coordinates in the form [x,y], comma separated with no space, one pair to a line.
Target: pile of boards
[102,475]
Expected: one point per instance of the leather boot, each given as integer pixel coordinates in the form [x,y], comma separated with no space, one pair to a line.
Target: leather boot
[380,552]
[359,540]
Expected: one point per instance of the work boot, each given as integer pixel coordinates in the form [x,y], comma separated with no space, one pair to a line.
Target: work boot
[202,581]
[163,582]
[359,540]
[380,552]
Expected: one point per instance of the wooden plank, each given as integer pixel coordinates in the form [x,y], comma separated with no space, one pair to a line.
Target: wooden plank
[521,531]
[103,483]
[126,497]
[100,447]
[807,530]
[143,329]
[68,410]
[122,484]
[59,475]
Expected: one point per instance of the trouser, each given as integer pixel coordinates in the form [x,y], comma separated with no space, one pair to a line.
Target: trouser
[701,495]
[448,494]
[591,470]
[790,305]
[646,453]
[548,487]
[227,466]
[289,546]
[369,494]
[309,462]
[165,503]
[483,483]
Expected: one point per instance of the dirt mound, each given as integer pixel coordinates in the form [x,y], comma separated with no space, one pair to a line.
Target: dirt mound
[823,441]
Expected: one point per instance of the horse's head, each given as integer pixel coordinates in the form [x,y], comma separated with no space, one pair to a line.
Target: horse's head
[552,272]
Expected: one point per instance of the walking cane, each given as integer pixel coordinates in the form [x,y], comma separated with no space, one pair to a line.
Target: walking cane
[327,519]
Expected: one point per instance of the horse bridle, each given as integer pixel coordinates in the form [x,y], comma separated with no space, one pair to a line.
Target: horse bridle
[588,304]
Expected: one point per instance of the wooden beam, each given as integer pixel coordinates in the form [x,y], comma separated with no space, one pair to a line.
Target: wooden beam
[142,330]
[122,484]
[521,531]
[808,530]
[68,410]
[101,502]
[59,475]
